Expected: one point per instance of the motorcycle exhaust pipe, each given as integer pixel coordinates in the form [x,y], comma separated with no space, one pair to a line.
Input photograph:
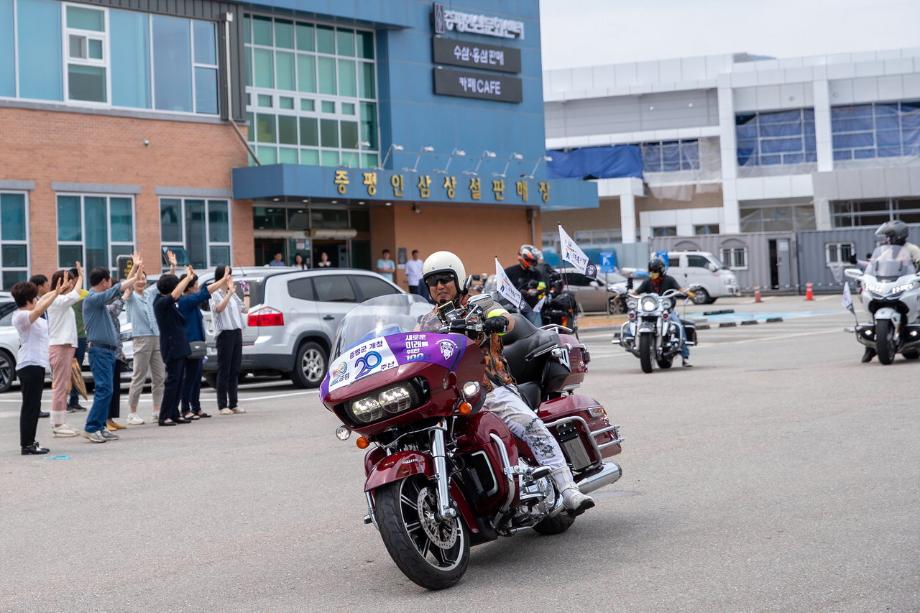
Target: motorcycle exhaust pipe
[610,473]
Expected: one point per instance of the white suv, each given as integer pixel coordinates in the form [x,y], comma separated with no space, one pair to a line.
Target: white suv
[703,269]
[293,318]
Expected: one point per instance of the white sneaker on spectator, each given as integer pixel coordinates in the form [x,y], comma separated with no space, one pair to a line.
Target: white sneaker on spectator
[94,437]
[238,410]
[226,411]
[62,430]
[135,420]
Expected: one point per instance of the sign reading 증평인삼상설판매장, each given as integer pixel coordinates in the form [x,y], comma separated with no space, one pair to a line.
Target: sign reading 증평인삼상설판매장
[446,20]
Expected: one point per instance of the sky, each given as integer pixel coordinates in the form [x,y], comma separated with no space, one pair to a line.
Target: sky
[590,32]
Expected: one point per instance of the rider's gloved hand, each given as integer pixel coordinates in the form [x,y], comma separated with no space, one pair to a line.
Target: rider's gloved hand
[495,325]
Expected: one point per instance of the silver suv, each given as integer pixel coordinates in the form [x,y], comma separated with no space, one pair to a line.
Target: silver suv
[293,317]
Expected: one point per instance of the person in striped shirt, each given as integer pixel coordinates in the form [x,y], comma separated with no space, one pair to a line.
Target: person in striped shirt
[227,310]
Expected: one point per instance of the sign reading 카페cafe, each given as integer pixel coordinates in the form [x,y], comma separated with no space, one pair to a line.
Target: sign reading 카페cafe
[468,84]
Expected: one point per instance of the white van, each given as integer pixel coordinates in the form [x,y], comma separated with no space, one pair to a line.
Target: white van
[703,269]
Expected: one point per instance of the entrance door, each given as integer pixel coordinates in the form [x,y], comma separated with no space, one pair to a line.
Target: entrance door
[780,263]
[337,250]
[266,248]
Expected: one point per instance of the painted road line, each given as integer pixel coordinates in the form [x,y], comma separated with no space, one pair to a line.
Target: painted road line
[273,396]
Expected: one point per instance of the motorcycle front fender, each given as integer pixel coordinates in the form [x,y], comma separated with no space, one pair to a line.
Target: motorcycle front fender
[888,313]
[404,464]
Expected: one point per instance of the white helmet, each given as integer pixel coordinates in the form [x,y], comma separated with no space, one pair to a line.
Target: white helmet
[445,262]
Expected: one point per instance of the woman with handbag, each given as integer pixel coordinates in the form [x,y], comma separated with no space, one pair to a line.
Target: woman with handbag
[190,307]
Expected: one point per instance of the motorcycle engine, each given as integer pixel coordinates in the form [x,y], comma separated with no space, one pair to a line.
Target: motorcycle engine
[538,498]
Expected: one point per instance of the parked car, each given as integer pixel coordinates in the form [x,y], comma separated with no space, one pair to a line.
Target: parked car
[596,295]
[706,270]
[9,342]
[293,317]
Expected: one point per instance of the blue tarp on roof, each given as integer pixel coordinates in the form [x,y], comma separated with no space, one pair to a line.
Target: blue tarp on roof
[609,162]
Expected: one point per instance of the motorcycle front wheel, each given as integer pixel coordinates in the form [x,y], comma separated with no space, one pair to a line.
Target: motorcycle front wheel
[884,341]
[433,554]
[646,349]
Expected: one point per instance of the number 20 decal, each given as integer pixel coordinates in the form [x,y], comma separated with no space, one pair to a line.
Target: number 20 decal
[367,362]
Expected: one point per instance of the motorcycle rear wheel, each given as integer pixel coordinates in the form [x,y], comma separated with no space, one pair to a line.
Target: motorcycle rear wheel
[401,509]
[885,341]
[645,352]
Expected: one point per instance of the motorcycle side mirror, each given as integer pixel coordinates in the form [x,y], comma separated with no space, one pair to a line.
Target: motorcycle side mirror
[853,273]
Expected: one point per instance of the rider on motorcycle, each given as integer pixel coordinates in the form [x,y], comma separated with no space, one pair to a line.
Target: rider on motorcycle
[658,283]
[894,232]
[529,279]
[445,275]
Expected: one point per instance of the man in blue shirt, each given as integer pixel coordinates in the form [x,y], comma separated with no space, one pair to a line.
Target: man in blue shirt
[102,338]
[189,306]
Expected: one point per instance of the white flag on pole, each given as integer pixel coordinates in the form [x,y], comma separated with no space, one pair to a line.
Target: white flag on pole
[572,253]
[506,287]
[847,297]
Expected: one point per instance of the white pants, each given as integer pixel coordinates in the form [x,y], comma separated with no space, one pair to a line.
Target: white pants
[524,424]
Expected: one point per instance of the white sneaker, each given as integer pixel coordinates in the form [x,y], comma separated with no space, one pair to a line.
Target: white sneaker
[226,412]
[135,420]
[238,410]
[63,430]
[575,502]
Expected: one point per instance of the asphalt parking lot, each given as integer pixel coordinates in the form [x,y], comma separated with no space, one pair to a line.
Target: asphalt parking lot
[777,474]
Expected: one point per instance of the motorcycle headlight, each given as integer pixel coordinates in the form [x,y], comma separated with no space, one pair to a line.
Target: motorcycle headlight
[632,303]
[648,304]
[366,410]
[395,399]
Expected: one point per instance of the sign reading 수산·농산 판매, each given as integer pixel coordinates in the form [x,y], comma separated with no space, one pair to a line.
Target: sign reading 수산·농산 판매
[476,55]
[446,20]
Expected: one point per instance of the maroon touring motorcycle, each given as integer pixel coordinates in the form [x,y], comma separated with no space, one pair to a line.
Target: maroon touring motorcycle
[443,474]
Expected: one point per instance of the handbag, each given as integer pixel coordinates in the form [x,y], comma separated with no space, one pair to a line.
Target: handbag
[197,350]
[76,378]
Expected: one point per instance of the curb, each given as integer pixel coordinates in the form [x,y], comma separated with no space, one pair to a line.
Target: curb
[728,324]
[750,322]
[703,327]
[719,312]
[773,320]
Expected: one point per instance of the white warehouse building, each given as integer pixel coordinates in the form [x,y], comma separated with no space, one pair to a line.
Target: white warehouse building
[738,143]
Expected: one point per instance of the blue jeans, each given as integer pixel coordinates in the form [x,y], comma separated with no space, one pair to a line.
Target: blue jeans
[684,349]
[102,363]
[80,353]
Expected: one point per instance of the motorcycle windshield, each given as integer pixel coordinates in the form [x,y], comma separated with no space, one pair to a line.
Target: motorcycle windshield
[890,262]
[381,334]
[378,317]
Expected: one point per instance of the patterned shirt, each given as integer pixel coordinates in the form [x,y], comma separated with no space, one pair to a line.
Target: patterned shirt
[497,372]
[231,318]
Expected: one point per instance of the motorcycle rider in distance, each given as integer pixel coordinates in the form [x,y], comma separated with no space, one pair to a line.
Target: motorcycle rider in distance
[528,278]
[894,232]
[445,275]
[658,283]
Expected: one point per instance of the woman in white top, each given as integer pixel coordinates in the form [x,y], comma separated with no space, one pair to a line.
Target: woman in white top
[32,359]
[227,312]
[62,336]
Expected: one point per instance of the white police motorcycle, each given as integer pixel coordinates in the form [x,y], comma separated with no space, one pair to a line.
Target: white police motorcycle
[649,332]
[891,295]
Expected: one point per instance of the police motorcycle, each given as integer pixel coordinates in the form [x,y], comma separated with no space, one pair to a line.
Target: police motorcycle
[891,295]
[560,308]
[649,332]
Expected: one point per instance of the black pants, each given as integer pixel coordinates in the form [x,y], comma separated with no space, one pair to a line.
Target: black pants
[229,358]
[191,386]
[80,353]
[175,370]
[115,404]
[32,383]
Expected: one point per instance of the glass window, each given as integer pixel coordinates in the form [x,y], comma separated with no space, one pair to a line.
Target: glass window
[268,218]
[80,18]
[366,45]
[86,83]
[284,71]
[664,231]
[265,128]
[120,211]
[329,133]
[96,231]
[206,91]
[309,131]
[68,254]
[12,217]
[262,31]
[69,216]
[287,130]
[697,261]
[326,75]
[325,40]
[329,158]
[371,287]
[284,34]
[301,289]
[265,101]
[264,68]
[345,42]
[196,237]
[40,50]
[171,221]
[14,256]
[327,106]
[298,219]
[369,124]
[130,41]
[7,50]
[219,221]
[776,138]
[706,229]
[172,67]
[307,105]
[310,157]
[220,254]
[350,135]
[306,73]
[286,103]
[366,85]
[205,42]
[305,37]
[333,288]
[347,75]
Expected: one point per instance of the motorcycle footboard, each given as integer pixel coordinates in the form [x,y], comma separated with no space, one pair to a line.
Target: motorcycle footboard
[690,333]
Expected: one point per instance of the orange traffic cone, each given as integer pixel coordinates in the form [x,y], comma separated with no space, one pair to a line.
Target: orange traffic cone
[757,296]
[809,291]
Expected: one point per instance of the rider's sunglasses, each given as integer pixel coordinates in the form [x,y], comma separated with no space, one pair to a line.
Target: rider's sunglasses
[433,280]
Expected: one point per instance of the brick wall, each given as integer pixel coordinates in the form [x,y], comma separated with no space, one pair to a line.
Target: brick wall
[52,146]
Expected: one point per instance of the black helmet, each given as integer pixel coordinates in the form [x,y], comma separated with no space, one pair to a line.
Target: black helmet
[656,265]
[893,232]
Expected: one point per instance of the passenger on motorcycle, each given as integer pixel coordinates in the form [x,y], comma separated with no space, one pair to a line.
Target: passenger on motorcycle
[445,275]
[658,283]
[529,279]
[894,232]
